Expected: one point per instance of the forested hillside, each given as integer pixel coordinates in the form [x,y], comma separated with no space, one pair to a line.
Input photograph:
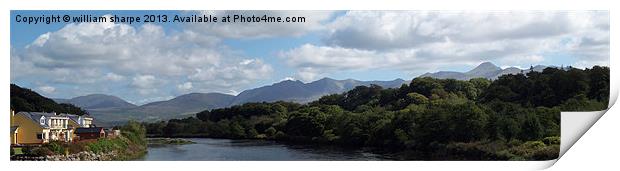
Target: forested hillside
[515,117]
[26,100]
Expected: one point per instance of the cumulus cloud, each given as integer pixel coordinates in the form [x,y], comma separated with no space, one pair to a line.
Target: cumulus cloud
[114,77]
[185,87]
[86,55]
[520,60]
[150,62]
[419,41]
[144,81]
[250,30]
[287,79]
[309,74]
[46,89]
[400,29]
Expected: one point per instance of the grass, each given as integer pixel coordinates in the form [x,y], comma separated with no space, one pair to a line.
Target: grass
[175,141]
[17,150]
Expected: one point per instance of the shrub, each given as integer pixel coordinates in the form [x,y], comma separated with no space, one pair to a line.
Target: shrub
[27,150]
[55,147]
[135,132]
[551,140]
[536,150]
[42,151]
[106,145]
[261,136]
[280,135]
[533,145]
[76,148]
[546,153]
[270,131]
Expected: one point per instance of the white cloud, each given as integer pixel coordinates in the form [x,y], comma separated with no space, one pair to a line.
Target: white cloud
[155,62]
[185,87]
[589,63]
[287,79]
[309,74]
[249,30]
[526,60]
[402,29]
[144,81]
[114,77]
[232,92]
[533,58]
[419,41]
[88,55]
[47,89]
[145,84]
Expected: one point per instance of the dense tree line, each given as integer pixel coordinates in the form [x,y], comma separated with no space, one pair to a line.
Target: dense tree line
[26,100]
[513,117]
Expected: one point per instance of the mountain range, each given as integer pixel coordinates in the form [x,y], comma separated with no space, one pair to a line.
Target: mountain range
[112,109]
[297,91]
[97,101]
[485,70]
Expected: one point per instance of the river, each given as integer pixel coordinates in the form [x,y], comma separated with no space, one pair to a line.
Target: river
[207,149]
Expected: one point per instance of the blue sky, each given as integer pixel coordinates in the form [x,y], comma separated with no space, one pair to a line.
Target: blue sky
[148,62]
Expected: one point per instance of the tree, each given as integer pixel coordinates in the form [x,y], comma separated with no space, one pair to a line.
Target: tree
[424,85]
[599,83]
[173,128]
[467,122]
[302,125]
[204,115]
[236,130]
[26,100]
[416,98]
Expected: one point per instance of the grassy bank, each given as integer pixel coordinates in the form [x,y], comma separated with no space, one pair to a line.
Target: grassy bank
[166,141]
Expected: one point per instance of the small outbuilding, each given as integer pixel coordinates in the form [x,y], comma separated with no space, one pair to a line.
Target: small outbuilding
[112,133]
[90,133]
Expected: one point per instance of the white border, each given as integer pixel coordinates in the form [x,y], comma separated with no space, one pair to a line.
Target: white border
[596,149]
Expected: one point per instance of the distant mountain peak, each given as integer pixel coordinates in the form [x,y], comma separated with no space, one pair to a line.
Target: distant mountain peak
[484,67]
[484,70]
[325,79]
[98,101]
[297,91]
[288,82]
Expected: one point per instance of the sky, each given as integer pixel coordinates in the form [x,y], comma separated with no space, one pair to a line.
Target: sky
[146,62]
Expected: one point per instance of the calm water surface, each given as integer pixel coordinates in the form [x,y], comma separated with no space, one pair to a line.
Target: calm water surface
[207,149]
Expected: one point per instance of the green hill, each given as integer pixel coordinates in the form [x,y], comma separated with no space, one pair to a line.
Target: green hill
[23,99]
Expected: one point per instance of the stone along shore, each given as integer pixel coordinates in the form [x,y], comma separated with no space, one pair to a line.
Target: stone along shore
[81,156]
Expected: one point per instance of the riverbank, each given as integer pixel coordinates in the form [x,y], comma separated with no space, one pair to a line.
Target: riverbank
[81,156]
[168,141]
[119,148]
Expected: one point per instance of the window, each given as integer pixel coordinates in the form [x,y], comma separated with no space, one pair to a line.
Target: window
[40,136]
[42,120]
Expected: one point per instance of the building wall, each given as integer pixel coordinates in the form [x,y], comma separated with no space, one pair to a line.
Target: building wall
[87,136]
[75,125]
[88,122]
[13,137]
[28,130]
